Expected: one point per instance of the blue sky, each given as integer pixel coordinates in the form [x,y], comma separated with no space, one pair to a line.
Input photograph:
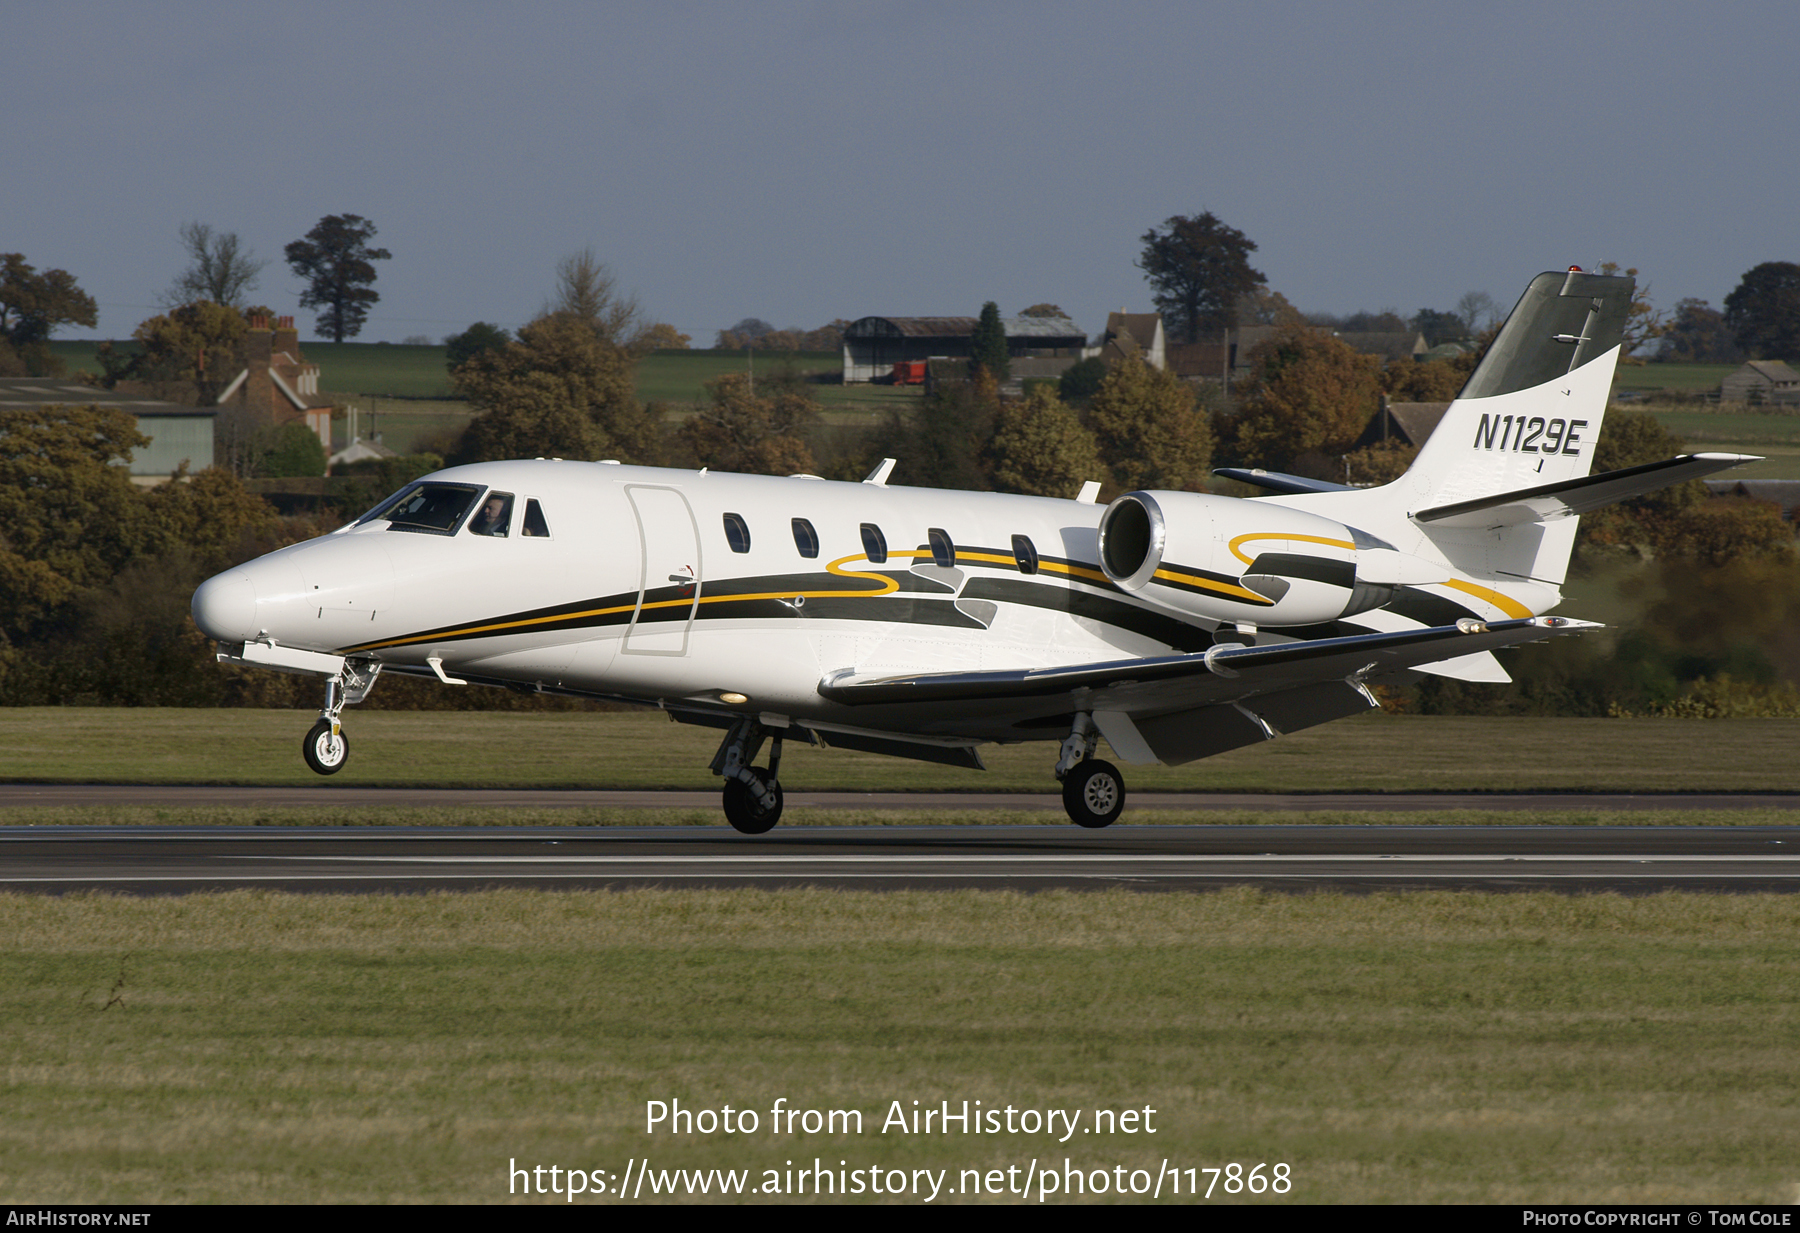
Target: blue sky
[800,162]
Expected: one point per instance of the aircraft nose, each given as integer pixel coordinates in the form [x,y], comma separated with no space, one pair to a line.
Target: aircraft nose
[225,607]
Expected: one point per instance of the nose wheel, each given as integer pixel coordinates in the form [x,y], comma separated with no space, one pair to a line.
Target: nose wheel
[325,751]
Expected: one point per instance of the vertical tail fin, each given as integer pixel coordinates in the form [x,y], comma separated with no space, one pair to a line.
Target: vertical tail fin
[1529,415]
[1531,412]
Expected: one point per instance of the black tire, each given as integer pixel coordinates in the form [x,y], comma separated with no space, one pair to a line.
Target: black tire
[745,812]
[1094,794]
[324,755]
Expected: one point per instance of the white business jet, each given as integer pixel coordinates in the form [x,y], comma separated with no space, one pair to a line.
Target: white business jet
[924,623]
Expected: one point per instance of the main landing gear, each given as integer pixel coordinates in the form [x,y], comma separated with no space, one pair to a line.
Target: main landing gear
[326,748]
[1093,791]
[752,793]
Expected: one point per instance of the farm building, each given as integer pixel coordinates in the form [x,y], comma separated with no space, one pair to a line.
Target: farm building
[1402,345]
[1406,422]
[873,345]
[177,434]
[277,385]
[1761,381]
[1210,358]
[1139,334]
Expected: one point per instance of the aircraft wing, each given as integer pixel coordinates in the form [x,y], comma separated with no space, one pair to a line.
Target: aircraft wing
[1175,708]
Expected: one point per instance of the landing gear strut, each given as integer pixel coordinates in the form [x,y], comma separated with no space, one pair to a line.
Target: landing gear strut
[752,793]
[1093,791]
[326,748]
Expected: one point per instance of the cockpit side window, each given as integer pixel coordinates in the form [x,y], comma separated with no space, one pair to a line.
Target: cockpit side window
[534,520]
[494,517]
[434,509]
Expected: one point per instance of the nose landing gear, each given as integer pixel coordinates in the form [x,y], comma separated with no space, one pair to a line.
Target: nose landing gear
[326,747]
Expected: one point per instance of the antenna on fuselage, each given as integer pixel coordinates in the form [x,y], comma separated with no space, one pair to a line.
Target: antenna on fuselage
[879,476]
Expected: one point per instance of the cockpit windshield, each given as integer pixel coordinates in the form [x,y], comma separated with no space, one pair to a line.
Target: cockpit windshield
[435,509]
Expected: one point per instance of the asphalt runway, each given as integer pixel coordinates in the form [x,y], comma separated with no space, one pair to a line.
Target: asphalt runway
[178,796]
[1629,860]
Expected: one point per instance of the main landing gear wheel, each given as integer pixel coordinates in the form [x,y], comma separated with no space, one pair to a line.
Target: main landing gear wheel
[745,812]
[1093,793]
[325,753]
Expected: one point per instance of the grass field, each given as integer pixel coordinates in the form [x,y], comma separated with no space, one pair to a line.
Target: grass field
[1685,378]
[1432,1047]
[642,749]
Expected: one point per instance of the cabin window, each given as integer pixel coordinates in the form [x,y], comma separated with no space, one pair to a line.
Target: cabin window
[1025,553]
[737,532]
[806,539]
[943,548]
[534,520]
[434,509]
[874,544]
[493,516]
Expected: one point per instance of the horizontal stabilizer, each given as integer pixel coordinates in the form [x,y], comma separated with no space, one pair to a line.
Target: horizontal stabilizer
[1275,481]
[1570,497]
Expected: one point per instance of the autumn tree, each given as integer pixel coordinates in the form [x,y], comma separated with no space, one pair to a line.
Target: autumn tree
[987,345]
[459,349]
[1198,268]
[220,268]
[588,291]
[1081,380]
[762,432]
[1148,428]
[748,332]
[1308,398]
[337,263]
[69,517]
[294,449]
[661,336]
[187,355]
[561,390]
[1643,320]
[1631,439]
[1408,380]
[1439,327]
[1040,447]
[1043,310]
[940,440]
[32,306]
[1764,311]
[1698,334]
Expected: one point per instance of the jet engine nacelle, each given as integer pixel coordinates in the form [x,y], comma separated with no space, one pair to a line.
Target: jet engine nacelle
[1249,562]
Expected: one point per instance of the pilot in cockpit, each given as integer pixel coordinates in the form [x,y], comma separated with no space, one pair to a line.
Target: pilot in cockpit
[495,515]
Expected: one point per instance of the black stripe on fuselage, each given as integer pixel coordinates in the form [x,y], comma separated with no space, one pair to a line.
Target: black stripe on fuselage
[913,600]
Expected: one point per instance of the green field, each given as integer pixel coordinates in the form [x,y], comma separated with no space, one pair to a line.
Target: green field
[1684,378]
[1429,1047]
[1747,428]
[642,749]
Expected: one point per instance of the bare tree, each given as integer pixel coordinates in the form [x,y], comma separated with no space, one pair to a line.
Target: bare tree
[223,270]
[587,290]
[1477,311]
